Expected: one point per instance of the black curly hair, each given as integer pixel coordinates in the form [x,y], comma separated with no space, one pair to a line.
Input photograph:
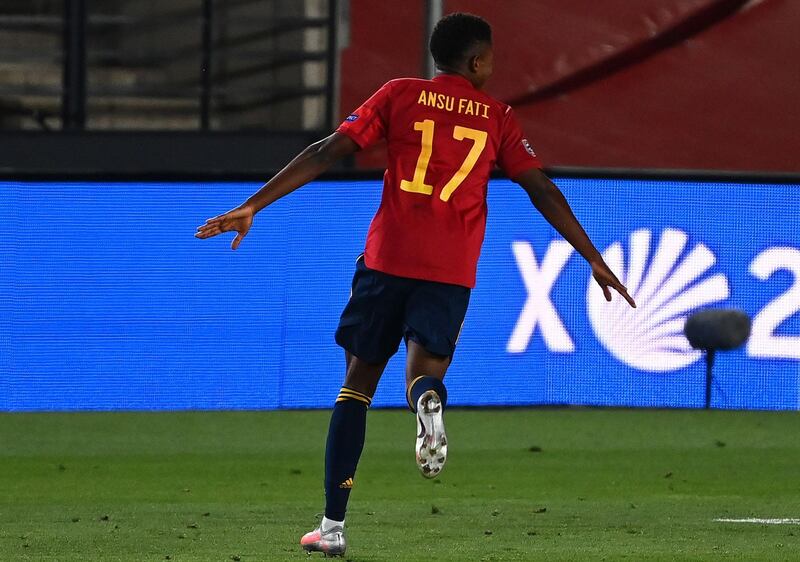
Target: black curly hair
[454,35]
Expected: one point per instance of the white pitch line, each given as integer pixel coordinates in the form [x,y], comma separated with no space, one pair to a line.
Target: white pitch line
[761,521]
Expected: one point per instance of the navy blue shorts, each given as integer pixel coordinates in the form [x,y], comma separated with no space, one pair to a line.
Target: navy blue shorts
[385,309]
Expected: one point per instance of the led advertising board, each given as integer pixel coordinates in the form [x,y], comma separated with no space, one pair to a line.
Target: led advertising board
[109,302]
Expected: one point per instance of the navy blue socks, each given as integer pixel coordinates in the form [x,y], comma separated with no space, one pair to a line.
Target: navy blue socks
[346,434]
[421,385]
[345,442]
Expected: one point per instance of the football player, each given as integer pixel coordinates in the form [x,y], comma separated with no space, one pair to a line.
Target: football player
[412,283]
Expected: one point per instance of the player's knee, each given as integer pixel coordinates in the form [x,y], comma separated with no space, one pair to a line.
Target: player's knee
[362,376]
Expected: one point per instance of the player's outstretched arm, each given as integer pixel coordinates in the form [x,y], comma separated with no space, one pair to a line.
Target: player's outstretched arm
[550,202]
[305,167]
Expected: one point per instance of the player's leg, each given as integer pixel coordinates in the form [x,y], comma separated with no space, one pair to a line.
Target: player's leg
[346,433]
[427,396]
[434,317]
[345,442]
[370,331]
[424,371]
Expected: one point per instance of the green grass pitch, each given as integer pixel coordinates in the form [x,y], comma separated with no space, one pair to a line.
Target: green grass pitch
[520,484]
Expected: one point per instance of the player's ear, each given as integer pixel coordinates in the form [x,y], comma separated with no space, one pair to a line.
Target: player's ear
[474,63]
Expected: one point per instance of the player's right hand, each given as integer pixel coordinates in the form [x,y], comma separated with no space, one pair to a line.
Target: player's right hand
[239,219]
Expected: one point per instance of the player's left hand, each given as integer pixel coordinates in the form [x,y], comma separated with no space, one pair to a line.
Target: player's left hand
[606,278]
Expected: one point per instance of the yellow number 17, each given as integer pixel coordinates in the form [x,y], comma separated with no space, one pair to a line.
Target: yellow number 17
[417,183]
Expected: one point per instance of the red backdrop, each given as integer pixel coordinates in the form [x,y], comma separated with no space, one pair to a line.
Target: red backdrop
[704,84]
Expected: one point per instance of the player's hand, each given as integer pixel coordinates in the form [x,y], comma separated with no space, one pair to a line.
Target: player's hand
[238,219]
[606,278]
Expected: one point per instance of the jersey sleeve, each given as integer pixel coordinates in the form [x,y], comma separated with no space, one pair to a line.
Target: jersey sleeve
[516,154]
[368,124]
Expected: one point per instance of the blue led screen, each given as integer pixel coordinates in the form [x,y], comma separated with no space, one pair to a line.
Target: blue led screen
[107,301]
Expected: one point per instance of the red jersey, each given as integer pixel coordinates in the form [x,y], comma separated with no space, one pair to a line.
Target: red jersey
[444,137]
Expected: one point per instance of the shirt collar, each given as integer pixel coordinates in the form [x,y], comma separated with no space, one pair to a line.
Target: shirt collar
[452,79]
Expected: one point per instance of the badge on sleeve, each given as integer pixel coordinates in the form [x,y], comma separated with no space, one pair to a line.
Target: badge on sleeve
[528,147]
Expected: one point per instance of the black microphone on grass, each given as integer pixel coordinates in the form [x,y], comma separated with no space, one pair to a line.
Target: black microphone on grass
[712,330]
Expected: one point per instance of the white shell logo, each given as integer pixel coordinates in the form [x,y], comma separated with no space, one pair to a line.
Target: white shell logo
[666,288]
